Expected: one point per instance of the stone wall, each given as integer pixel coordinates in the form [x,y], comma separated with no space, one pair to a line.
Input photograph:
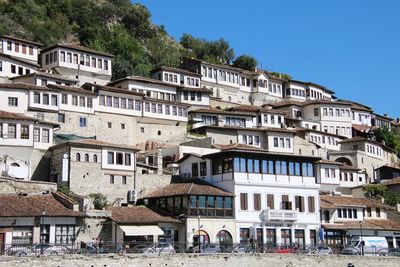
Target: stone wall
[192,260]
[9,186]
[146,183]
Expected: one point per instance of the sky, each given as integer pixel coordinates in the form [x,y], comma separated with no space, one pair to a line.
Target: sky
[351,47]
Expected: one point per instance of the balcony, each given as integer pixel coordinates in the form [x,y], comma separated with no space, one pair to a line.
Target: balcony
[279,215]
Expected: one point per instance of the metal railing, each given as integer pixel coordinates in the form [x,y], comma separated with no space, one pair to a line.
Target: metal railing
[161,248]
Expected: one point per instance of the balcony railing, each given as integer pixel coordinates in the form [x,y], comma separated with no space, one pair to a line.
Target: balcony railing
[279,215]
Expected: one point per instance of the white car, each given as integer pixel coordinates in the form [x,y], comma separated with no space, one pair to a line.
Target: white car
[45,249]
[321,251]
[160,248]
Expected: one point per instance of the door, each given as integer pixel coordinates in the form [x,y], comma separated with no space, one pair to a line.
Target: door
[2,237]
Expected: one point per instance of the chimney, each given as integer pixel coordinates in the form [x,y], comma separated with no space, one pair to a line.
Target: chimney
[398,207]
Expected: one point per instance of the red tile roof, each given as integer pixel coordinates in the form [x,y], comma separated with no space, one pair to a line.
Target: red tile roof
[362,139]
[14,205]
[188,187]
[20,40]
[26,61]
[139,215]
[342,201]
[368,224]
[93,143]
[77,47]
[178,70]
[18,117]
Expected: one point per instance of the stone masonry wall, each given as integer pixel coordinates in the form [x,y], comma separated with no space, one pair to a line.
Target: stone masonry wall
[9,186]
[192,260]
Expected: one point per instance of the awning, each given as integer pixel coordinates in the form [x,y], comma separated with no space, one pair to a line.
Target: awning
[135,230]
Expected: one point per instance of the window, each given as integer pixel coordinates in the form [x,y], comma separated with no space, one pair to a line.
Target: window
[74,100]
[95,158]
[54,100]
[119,158]
[203,168]
[81,101]
[270,201]
[12,131]
[316,112]
[64,99]
[62,56]
[368,212]
[109,124]
[13,102]
[122,126]
[138,104]
[276,142]
[45,136]
[286,204]
[243,201]
[24,132]
[128,159]
[36,98]
[36,135]
[69,58]
[89,103]
[99,63]
[87,157]
[110,158]
[65,234]
[106,64]
[112,179]
[299,203]
[195,170]
[109,101]
[257,201]
[311,204]
[82,122]
[378,212]
[78,157]
[22,235]
[124,179]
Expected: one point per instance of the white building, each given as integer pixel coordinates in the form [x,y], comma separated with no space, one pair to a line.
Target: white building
[17,57]
[342,217]
[77,62]
[23,142]
[277,197]
[302,91]
[27,219]
[44,78]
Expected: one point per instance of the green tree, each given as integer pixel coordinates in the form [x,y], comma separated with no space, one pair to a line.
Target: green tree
[99,201]
[246,62]
[379,191]
[390,139]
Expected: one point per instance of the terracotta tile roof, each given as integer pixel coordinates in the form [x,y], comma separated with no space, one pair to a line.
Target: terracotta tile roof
[394,181]
[250,108]
[158,100]
[178,70]
[236,146]
[13,205]
[362,139]
[77,47]
[356,105]
[97,88]
[285,103]
[23,86]
[192,89]
[72,89]
[45,74]
[18,117]
[20,39]
[187,155]
[29,62]
[139,215]
[342,201]
[347,167]
[301,129]
[188,187]
[363,128]
[142,79]
[368,224]
[315,85]
[257,129]
[326,161]
[92,143]
[225,112]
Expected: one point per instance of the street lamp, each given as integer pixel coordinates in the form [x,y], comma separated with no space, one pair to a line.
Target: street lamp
[41,230]
[361,237]
[198,233]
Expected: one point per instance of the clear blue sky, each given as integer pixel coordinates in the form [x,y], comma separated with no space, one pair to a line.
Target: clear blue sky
[352,47]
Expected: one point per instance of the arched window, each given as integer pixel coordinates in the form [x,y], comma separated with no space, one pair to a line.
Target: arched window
[87,157]
[14,164]
[78,157]
[94,158]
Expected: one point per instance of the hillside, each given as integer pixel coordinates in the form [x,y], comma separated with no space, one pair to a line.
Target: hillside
[119,27]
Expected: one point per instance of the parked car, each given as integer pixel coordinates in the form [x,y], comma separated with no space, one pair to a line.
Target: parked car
[284,250]
[321,250]
[210,249]
[394,252]
[367,245]
[240,249]
[38,249]
[160,248]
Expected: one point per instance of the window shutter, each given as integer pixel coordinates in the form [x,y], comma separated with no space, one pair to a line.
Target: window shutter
[257,201]
[311,204]
[270,201]
[302,204]
[243,201]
